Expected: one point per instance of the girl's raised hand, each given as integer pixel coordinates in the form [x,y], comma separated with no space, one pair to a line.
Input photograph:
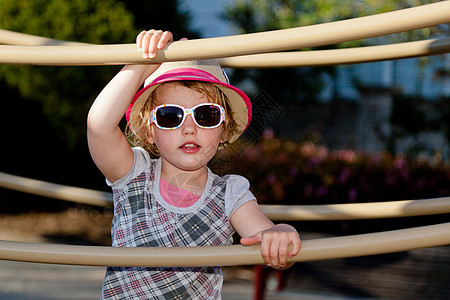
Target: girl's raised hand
[148,42]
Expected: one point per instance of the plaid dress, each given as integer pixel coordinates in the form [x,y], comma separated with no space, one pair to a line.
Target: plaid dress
[143,219]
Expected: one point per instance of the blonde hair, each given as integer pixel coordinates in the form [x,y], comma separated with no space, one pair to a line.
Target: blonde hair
[141,130]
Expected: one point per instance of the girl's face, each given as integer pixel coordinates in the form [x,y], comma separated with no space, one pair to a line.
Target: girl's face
[189,147]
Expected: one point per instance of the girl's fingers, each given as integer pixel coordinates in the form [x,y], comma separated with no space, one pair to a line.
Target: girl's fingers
[265,253]
[148,41]
[145,42]
[251,240]
[283,254]
[296,246]
[154,40]
[275,253]
[275,245]
[275,249]
[165,39]
[267,249]
[139,40]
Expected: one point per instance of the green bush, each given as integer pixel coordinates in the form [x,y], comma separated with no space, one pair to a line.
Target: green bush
[284,172]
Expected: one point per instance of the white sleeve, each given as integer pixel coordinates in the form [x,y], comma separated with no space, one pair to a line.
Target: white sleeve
[141,162]
[237,193]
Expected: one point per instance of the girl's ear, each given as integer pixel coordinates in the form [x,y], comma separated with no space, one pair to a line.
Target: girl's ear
[223,139]
[225,134]
[149,135]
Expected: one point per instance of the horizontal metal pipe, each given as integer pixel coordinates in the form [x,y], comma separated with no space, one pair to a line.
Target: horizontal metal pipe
[55,191]
[322,57]
[354,211]
[318,249]
[262,42]
[357,211]
[339,56]
[17,38]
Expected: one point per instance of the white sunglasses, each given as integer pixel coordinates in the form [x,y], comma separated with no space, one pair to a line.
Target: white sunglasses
[172,116]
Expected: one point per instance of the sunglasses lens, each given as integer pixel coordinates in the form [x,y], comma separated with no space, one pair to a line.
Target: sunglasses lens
[207,115]
[169,116]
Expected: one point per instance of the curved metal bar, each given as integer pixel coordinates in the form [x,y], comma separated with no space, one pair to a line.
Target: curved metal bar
[357,211]
[319,249]
[55,191]
[326,57]
[285,39]
[286,59]
[354,211]
[339,56]
[16,38]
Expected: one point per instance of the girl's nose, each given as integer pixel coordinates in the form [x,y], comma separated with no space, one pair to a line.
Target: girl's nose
[189,126]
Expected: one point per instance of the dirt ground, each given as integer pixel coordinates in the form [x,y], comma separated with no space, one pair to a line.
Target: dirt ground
[73,226]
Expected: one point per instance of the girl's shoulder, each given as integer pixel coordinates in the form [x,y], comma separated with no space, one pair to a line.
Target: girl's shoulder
[143,164]
[237,192]
[232,179]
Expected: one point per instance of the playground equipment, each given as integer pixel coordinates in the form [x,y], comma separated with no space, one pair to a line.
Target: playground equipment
[327,248]
[53,52]
[243,51]
[355,211]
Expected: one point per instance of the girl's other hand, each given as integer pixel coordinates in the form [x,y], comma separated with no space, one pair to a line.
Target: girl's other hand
[275,244]
[148,42]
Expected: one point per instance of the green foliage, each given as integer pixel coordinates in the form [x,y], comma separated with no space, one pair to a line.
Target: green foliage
[414,115]
[305,83]
[290,173]
[445,109]
[166,15]
[262,15]
[78,20]
[65,93]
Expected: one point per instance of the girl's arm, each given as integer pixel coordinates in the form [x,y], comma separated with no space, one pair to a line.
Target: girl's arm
[108,146]
[254,227]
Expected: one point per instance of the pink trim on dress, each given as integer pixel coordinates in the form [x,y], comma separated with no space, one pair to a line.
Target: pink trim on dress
[176,196]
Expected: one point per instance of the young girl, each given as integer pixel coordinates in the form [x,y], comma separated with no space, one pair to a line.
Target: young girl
[185,112]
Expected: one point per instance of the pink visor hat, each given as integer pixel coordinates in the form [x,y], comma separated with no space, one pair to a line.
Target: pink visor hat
[198,70]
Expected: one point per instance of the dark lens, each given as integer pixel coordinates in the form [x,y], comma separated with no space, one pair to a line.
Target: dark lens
[169,116]
[207,115]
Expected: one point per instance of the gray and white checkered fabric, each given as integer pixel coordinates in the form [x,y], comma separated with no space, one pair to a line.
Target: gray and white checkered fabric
[141,221]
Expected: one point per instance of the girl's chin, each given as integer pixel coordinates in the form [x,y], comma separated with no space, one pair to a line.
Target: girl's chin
[190,165]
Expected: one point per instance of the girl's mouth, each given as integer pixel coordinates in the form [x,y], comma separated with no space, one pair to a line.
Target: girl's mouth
[190,148]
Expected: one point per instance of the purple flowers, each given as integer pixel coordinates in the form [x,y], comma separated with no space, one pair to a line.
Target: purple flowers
[285,172]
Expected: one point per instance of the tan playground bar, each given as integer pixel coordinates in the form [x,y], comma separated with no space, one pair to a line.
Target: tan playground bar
[49,53]
[318,249]
[353,211]
[243,51]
